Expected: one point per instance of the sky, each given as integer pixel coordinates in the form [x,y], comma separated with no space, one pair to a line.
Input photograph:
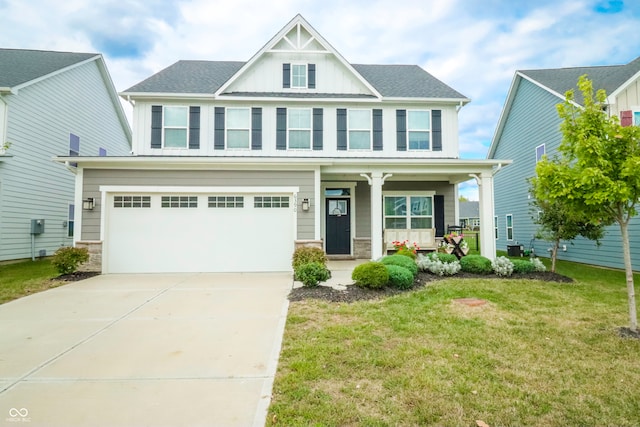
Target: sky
[474,46]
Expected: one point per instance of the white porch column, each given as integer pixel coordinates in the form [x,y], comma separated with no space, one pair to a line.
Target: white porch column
[376,180]
[487,236]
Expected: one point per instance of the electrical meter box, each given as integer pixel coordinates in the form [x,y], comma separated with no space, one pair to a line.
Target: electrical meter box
[37,226]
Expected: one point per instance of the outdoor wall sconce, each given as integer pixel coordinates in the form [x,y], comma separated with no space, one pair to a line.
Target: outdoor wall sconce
[88,204]
[305,205]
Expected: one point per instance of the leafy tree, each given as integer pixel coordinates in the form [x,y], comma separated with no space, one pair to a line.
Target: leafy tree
[462,199]
[598,172]
[556,222]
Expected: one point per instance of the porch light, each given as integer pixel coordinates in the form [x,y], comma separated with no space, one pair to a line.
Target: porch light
[305,205]
[88,204]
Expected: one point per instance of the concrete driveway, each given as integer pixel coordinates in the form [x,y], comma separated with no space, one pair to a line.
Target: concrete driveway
[144,350]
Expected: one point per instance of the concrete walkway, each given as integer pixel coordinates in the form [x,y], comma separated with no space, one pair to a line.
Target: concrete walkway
[144,350]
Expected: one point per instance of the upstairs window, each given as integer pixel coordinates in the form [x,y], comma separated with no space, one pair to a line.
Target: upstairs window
[540,151]
[175,123]
[419,129]
[238,128]
[359,129]
[299,128]
[299,75]
[175,127]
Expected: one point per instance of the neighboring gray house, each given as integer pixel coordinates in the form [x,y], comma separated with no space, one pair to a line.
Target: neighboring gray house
[238,162]
[470,215]
[529,128]
[51,104]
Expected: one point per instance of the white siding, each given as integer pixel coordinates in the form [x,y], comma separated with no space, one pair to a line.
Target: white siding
[40,118]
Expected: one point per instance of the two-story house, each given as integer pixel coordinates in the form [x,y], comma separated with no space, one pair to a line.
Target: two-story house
[50,103]
[236,163]
[529,127]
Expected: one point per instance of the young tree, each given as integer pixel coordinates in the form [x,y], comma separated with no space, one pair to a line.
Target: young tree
[557,223]
[598,172]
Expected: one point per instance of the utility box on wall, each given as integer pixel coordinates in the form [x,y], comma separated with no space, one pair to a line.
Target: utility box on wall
[37,226]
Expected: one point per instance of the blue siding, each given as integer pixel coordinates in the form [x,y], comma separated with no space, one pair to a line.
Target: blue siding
[533,120]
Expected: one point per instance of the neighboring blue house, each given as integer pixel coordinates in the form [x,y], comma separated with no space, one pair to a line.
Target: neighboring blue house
[529,128]
[51,104]
[469,215]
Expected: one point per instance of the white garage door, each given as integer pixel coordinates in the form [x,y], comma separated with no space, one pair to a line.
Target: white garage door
[159,233]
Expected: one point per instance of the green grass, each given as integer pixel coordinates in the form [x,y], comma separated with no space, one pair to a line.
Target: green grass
[537,354]
[24,278]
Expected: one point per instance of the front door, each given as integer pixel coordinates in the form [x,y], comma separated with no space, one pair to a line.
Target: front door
[338,227]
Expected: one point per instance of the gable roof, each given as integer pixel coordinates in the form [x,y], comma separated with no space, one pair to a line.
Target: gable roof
[212,78]
[557,81]
[469,209]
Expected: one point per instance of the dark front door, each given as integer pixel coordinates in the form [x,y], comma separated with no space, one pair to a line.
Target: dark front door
[338,227]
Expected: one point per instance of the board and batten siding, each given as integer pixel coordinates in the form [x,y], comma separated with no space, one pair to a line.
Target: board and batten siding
[94,178]
[40,118]
[533,120]
[629,98]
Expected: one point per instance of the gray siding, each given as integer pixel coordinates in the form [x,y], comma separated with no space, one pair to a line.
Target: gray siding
[363,209]
[533,120]
[40,118]
[93,178]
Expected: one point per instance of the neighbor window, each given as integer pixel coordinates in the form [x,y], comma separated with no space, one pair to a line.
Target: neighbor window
[175,125]
[495,226]
[408,212]
[418,129]
[238,127]
[299,128]
[71,222]
[359,126]
[509,227]
[74,147]
[540,151]
[299,75]
[636,118]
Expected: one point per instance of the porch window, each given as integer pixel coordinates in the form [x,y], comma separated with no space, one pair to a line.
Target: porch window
[238,127]
[418,129]
[408,212]
[509,227]
[359,129]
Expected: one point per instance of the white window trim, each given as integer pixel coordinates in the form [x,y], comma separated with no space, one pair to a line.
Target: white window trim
[409,194]
[495,227]
[634,111]
[310,129]
[227,129]
[186,142]
[544,153]
[420,150]
[370,130]
[507,226]
[306,75]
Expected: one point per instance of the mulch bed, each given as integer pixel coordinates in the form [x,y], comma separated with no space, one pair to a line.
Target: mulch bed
[75,276]
[355,293]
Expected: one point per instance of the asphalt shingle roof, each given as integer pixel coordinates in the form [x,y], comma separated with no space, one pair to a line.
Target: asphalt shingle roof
[609,77]
[205,77]
[18,66]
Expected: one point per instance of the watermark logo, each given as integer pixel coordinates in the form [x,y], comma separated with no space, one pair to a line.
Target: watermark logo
[18,415]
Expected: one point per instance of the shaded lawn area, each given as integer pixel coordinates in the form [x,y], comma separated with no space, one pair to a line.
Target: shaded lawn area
[537,353]
[26,277]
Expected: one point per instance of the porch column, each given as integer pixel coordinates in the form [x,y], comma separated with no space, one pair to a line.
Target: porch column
[487,236]
[376,180]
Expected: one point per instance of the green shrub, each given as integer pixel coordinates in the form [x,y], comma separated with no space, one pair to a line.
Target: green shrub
[312,274]
[66,260]
[522,266]
[305,255]
[402,261]
[371,274]
[406,252]
[446,258]
[476,264]
[399,277]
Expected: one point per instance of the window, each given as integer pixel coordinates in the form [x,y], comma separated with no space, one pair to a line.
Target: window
[359,129]
[418,129]
[408,212]
[175,125]
[299,76]
[179,201]
[271,202]
[72,220]
[299,128]
[495,226]
[509,227]
[102,152]
[636,118]
[540,151]
[238,127]
[132,201]
[226,201]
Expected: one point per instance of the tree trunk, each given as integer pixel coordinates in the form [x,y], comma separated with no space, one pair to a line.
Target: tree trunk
[631,294]
[554,255]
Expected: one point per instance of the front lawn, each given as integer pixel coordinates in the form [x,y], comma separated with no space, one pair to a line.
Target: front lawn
[537,353]
[24,278]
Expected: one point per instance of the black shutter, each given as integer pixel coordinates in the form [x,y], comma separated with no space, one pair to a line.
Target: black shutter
[377,130]
[317,128]
[436,130]
[218,137]
[194,128]
[256,128]
[156,126]
[342,128]
[401,130]
[438,214]
[311,76]
[281,129]
[286,76]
